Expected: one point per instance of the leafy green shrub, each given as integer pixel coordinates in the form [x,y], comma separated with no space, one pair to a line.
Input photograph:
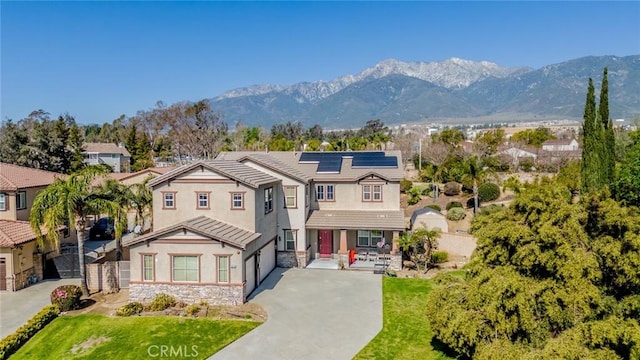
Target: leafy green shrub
[405,185]
[162,301]
[454,204]
[434,207]
[11,343]
[452,188]
[456,214]
[192,310]
[204,303]
[415,194]
[438,257]
[132,308]
[490,209]
[488,192]
[66,297]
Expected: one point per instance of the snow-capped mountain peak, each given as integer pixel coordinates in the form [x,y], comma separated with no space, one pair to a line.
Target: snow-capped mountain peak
[451,73]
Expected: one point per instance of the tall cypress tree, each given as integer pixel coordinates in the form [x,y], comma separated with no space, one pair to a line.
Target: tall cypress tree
[607,138]
[590,160]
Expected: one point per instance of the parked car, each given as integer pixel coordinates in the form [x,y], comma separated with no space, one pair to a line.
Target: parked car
[103,229]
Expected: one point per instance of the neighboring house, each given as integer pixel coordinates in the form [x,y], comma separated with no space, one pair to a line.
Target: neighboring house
[431,218]
[139,176]
[520,153]
[560,145]
[117,157]
[20,257]
[221,226]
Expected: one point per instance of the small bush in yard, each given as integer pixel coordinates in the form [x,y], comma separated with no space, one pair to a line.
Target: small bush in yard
[490,209]
[405,185]
[416,194]
[11,343]
[454,204]
[66,297]
[132,308]
[162,302]
[452,188]
[456,214]
[438,257]
[192,310]
[488,192]
[434,207]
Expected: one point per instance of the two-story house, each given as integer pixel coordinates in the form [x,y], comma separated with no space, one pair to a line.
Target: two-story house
[117,157]
[332,202]
[20,257]
[221,226]
[214,235]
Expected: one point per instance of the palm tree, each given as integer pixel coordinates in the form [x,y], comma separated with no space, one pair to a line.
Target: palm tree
[419,244]
[475,172]
[69,201]
[121,195]
[141,200]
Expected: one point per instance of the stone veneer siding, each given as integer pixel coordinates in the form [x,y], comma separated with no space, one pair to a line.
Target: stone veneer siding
[396,262]
[190,294]
[291,259]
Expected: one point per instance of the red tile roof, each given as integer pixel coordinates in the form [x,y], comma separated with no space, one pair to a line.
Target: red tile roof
[14,233]
[14,177]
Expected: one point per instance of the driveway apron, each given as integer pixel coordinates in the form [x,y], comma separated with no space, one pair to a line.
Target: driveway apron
[16,308]
[313,314]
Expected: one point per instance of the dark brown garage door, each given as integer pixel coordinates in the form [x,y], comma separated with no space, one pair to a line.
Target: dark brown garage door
[3,273]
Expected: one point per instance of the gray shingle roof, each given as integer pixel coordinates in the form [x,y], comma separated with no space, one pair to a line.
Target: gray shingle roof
[231,169]
[205,226]
[347,172]
[276,165]
[356,220]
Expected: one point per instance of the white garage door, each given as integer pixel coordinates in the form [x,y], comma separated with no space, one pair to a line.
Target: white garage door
[250,277]
[267,259]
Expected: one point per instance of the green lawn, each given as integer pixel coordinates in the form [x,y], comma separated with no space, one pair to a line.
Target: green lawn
[405,333]
[101,337]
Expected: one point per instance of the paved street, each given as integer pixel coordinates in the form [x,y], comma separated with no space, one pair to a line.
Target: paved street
[16,308]
[313,314]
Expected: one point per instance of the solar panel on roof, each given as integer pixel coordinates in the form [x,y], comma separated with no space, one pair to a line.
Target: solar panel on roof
[331,162]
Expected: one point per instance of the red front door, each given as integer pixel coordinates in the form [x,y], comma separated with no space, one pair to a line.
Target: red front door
[325,242]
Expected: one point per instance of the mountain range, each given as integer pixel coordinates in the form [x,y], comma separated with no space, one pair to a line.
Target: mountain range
[454,90]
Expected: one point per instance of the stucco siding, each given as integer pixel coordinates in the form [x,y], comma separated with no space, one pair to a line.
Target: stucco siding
[219,204]
[348,196]
[206,252]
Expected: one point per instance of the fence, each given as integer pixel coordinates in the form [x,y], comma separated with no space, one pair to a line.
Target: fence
[108,276]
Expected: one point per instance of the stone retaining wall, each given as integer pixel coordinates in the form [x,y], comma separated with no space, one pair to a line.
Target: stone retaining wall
[190,294]
[290,259]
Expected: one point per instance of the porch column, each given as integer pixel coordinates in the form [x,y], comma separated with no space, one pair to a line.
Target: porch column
[343,242]
[394,242]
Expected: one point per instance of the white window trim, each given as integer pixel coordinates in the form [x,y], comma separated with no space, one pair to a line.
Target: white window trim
[294,196]
[294,239]
[227,268]
[240,199]
[371,240]
[152,267]
[322,192]
[3,206]
[173,269]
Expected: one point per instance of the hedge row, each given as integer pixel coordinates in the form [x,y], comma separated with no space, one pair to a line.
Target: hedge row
[10,344]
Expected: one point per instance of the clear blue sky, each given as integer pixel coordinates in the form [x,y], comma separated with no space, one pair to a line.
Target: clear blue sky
[97,60]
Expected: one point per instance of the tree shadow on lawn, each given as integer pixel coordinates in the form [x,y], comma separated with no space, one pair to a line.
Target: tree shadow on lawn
[445,349]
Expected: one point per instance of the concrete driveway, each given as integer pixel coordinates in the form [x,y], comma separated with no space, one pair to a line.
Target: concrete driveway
[313,314]
[16,308]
